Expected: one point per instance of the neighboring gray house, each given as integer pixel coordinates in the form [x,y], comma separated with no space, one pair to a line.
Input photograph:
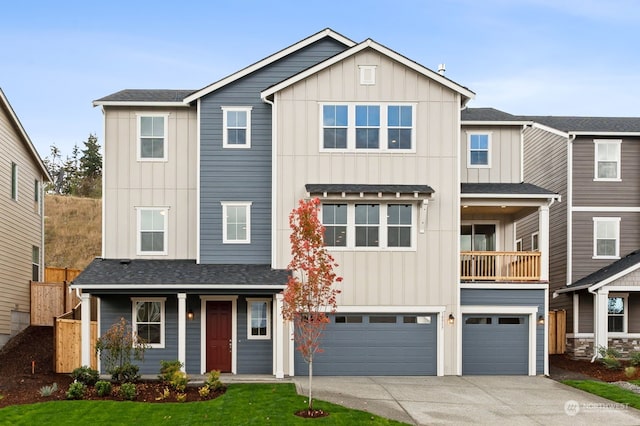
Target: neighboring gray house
[22,176]
[199,186]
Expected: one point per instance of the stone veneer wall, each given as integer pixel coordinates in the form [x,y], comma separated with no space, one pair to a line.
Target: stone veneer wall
[583,347]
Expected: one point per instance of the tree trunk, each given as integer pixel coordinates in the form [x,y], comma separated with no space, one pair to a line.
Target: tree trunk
[310,379]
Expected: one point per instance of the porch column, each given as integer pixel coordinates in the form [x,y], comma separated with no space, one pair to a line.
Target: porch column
[182,329]
[543,241]
[85,328]
[600,320]
[278,337]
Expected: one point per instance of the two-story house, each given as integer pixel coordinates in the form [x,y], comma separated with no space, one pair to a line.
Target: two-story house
[199,186]
[22,176]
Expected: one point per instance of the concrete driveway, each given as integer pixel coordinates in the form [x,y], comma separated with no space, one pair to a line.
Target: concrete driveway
[485,400]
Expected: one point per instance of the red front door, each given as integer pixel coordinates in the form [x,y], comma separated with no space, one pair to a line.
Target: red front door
[219,336]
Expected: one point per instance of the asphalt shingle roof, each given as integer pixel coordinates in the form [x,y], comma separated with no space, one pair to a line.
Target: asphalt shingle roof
[486,114]
[608,271]
[178,273]
[503,188]
[147,95]
[315,188]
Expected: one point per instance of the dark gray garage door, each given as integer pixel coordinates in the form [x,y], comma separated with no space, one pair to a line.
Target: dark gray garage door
[376,344]
[495,344]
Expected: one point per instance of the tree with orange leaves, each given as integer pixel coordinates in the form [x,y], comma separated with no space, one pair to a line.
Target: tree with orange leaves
[310,293]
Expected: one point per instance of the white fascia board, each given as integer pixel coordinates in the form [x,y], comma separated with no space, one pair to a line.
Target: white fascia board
[139,104]
[177,288]
[615,277]
[550,130]
[471,196]
[496,123]
[605,133]
[268,60]
[381,49]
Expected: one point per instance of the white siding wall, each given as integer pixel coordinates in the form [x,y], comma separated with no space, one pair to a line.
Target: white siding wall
[505,155]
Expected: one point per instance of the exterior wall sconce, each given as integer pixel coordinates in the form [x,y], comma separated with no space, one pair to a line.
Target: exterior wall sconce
[190,315]
[451,319]
[541,320]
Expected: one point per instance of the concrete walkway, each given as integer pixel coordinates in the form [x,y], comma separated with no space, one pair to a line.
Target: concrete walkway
[478,400]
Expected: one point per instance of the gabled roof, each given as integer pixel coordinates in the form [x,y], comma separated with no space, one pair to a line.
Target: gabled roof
[109,274]
[348,188]
[505,189]
[369,43]
[486,114]
[4,103]
[604,276]
[146,97]
[589,125]
[327,32]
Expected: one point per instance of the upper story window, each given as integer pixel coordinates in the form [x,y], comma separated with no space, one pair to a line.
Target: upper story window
[14,181]
[258,319]
[368,226]
[479,148]
[149,319]
[35,263]
[236,222]
[152,137]
[535,241]
[607,156]
[606,237]
[37,196]
[236,127]
[376,127]
[152,230]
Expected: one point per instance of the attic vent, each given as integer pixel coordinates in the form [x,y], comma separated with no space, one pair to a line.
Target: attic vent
[367,74]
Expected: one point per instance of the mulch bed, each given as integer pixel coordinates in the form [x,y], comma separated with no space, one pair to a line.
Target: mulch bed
[595,370]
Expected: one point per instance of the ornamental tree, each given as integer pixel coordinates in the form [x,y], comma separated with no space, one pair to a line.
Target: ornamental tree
[310,293]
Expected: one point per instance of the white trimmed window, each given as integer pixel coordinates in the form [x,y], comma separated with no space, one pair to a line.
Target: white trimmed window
[535,246]
[152,137]
[37,196]
[519,244]
[258,319]
[367,74]
[369,226]
[14,181]
[149,320]
[607,160]
[606,237]
[236,222]
[35,263]
[152,230]
[370,127]
[236,125]
[478,150]
[617,313]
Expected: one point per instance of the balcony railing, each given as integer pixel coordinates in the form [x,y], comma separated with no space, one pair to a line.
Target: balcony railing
[500,266]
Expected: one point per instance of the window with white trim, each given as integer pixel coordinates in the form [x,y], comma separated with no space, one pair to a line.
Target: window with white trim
[367,74]
[149,320]
[152,230]
[370,226]
[35,263]
[152,137]
[14,181]
[478,150]
[616,313]
[258,319]
[236,127]
[365,126]
[607,160]
[236,222]
[534,242]
[606,237]
[519,244]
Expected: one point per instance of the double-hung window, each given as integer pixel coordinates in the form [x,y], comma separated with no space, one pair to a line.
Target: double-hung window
[616,313]
[152,137]
[606,237]
[258,319]
[152,230]
[14,181]
[375,127]
[236,222]
[479,149]
[148,320]
[607,164]
[35,263]
[367,225]
[236,124]
[334,218]
[399,225]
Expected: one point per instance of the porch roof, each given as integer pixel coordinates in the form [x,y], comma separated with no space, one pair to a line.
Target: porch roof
[351,188]
[605,275]
[110,274]
[507,189]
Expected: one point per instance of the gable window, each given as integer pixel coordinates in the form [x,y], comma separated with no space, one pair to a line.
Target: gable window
[148,320]
[152,137]
[367,225]
[236,124]
[14,181]
[236,222]
[258,319]
[35,263]
[617,314]
[534,242]
[479,145]
[607,164]
[606,237]
[376,127]
[152,230]
[334,218]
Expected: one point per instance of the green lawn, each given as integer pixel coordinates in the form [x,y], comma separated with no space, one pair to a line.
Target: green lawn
[242,404]
[608,391]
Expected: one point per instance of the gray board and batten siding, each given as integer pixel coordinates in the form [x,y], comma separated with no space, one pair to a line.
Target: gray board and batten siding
[245,174]
[510,297]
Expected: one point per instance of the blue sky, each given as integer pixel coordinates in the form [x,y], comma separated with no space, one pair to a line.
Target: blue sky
[539,57]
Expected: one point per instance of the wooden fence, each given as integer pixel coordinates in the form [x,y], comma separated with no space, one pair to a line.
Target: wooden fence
[67,345]
[557,332]
[50,300]
[60,275]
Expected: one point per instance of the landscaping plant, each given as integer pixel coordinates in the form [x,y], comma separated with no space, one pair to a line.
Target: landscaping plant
[309,294]
[610,358]
[76,390]
[128,391]
[118,347]
[85,375]
[48,390]
[103,388]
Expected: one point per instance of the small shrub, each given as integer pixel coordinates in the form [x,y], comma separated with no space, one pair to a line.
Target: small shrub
[118,347]
[128,391]
[76,390]
[103,388]
[179,381]
[630,372]
[85,375]
[48,390]
[635,359]
[164,395]
[127,373]
[181,397]
[609,358]
[168,368]
[204,391]
[213,380]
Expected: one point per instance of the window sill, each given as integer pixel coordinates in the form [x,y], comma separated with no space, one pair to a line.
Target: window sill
[605,257]
[607,180]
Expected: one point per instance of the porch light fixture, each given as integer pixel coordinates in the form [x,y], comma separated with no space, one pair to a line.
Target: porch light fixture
[451,319]
[190,315]
[541,320]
